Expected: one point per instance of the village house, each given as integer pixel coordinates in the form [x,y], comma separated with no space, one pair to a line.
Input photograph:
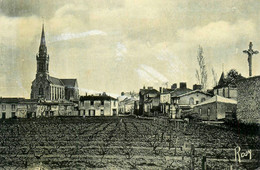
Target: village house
[28,108]
[191,98]
[215,108]
[101,105]
[227,87]
[166,107]
[128,105]
[149,100]
[248,100]
[16,107]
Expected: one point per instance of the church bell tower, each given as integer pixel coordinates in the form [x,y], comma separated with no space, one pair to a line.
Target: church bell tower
[42,58]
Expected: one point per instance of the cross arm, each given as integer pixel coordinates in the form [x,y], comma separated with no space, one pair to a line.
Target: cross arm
[245,51]
[255,52]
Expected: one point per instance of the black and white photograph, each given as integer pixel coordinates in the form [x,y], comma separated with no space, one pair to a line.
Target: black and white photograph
[130,84]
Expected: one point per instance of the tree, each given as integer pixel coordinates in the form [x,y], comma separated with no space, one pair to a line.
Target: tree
[232,75]
[214,74]
[201,73]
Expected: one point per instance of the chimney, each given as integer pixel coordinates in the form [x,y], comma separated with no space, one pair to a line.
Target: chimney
[150,88]
[160,89]
[144,87]
[86,94]
[183,85]
[197,87]
[174,86]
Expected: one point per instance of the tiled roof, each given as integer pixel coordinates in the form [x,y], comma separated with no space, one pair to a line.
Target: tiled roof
[11,100]
[17,100]
[69,82]
[55,81]
[180,91]
[219,99]
[194,91]
[83,98]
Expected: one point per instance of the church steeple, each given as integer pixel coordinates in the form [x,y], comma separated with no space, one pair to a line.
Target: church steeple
[43,37]
[42,57]
[43,47]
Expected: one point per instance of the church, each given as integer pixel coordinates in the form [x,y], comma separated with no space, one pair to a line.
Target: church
[47,87]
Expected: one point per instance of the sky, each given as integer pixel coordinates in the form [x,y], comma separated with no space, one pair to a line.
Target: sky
[122,45]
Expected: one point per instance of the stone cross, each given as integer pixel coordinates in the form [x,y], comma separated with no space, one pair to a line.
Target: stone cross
[250,53]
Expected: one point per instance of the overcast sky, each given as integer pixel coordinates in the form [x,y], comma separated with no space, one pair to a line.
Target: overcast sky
[121,45]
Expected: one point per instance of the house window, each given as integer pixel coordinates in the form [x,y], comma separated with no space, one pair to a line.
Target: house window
[208,113]
[217,92]
[114,112]
[102,112]
[191,101]
[102,102]
[200,111]
[13,115]
[114,103]
[223,92]
[197,102]
[13,107]
[3,115]
[3,107]
[91,103]
[203,99]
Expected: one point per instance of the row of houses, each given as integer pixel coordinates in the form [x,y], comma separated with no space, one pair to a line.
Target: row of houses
[89,105]
[177,102]
[27,108]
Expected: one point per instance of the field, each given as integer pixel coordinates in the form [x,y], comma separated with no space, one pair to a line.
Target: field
[121,143]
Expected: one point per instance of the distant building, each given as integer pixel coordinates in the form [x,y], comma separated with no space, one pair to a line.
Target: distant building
[16,107]
[179,91]
[149,100]
[248,100]
[27,108]
[47,87]
[215,108]
[227,88]
[101,105]
[127,105]
[166,107]
[191,98]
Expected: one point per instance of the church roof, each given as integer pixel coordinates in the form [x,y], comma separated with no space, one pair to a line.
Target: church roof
[69,82]
[56,81]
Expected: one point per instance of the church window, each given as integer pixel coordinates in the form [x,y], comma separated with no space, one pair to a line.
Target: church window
[203,99]
[41,65]
[40,90]
[91,103]
[223,92]
[102,102]
[200,111]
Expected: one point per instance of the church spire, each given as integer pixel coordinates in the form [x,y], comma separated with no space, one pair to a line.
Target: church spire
[43,37]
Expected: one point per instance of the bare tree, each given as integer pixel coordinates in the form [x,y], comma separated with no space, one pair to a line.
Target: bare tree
[201,73]
[214,74]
